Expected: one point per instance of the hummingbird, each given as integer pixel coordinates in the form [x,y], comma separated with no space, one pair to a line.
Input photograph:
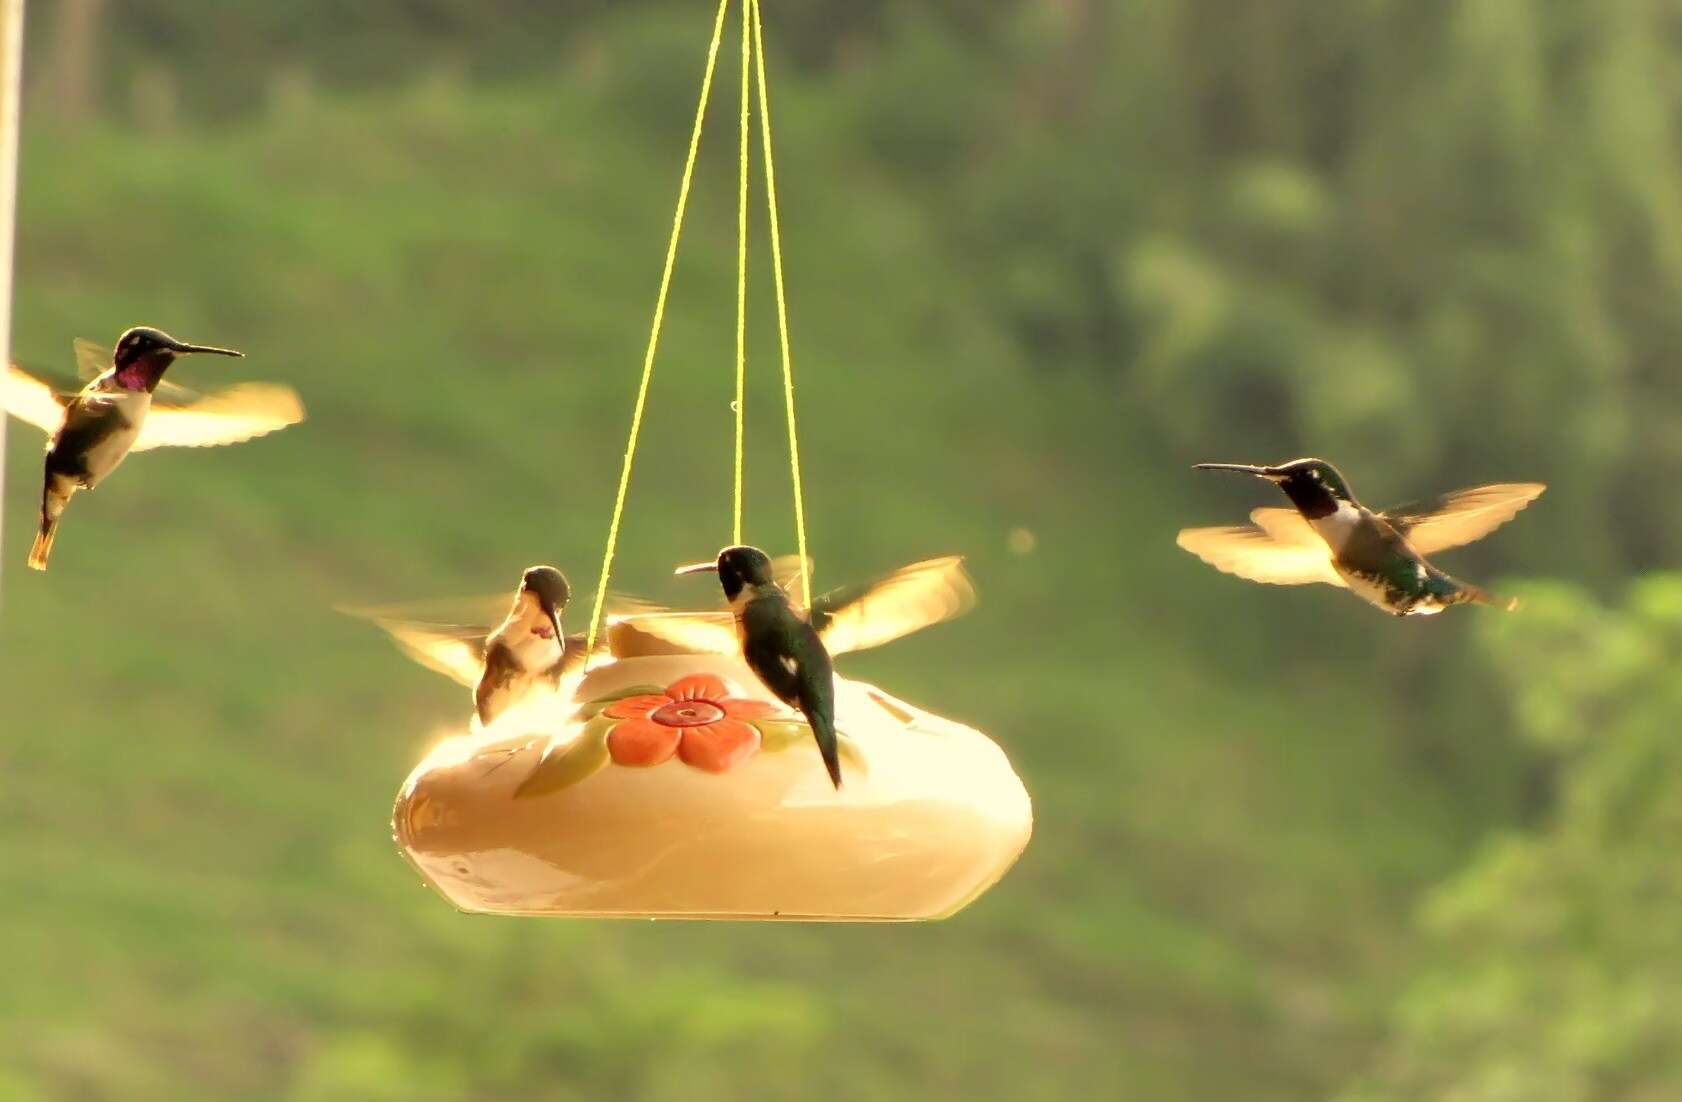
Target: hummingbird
[126,406]
[790,648]
[505,664]
[1331,537]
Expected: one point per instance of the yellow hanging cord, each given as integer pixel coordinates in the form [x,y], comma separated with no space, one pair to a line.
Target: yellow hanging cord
[782,306]
[654,330]
[740,406]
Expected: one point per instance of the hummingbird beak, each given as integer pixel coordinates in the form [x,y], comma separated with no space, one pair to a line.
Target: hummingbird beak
[547,607]
[697,567]
[181,348]
[1242,468]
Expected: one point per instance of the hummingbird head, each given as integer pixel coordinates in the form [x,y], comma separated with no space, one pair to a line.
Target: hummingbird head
[738,568]
[1314,486]
[548,587]
[143,354]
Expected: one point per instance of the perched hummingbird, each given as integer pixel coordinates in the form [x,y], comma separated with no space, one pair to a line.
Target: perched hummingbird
[124,408]
[789,648]
[1331,537]
[528,652]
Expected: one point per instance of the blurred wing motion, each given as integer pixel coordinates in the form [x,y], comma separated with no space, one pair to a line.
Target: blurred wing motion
[791,572]
[224,417]
[448,636]
[94,360]
[894,605]
[1288,527]
[29,399]
[715,632]
[1462,516]
[456,652]
[701,632]
[1281,549]
[848,619]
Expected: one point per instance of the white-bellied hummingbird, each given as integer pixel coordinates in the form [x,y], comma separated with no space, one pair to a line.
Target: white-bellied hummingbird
[504,664]
[1331,537]
[126,407]
[789,648]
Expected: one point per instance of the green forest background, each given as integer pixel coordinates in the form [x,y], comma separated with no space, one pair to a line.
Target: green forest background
[1043,254]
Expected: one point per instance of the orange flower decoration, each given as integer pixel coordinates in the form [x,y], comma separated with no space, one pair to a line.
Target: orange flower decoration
[698,718]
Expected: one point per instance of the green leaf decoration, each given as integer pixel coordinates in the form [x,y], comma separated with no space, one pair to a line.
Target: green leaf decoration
[779,733]
[565,767]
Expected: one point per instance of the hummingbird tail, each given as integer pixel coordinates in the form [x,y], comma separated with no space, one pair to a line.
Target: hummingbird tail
[53,500]
[823,729]
[1471,594]
[43,545]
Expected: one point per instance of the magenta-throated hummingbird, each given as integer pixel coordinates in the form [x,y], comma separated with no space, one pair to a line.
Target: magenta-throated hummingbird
[124,408]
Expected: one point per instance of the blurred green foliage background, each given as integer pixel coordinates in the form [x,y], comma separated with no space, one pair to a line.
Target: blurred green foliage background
[1042,255]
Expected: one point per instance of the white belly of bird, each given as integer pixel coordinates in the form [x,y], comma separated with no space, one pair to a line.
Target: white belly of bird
[1374,592]
[534,652]
[1363,587]
[1335,528]
[104,456]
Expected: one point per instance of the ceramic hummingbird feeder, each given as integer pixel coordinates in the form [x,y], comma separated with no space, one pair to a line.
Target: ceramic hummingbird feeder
[672,785]
[669,781]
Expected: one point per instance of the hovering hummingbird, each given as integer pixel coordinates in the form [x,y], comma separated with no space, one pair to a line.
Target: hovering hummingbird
[790,648]
[127,407]
[1331,537]
[505,664]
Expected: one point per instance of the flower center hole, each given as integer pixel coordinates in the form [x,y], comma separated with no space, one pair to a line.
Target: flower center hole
[688,713]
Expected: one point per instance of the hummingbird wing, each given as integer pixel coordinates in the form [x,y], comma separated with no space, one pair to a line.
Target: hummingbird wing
[30,399]
[702,632]
[574,655]
[896,604]
[1287,526]
[848,619]
[1281,549]
[223,417]
[488,609]
[791,572]
[94,360]
[448,636]
[1463,516]
[456,652]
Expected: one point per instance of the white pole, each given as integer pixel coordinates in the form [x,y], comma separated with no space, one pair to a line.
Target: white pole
[11,90]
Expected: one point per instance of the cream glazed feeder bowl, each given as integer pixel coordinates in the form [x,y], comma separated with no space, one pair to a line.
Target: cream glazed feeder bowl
[549,821]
